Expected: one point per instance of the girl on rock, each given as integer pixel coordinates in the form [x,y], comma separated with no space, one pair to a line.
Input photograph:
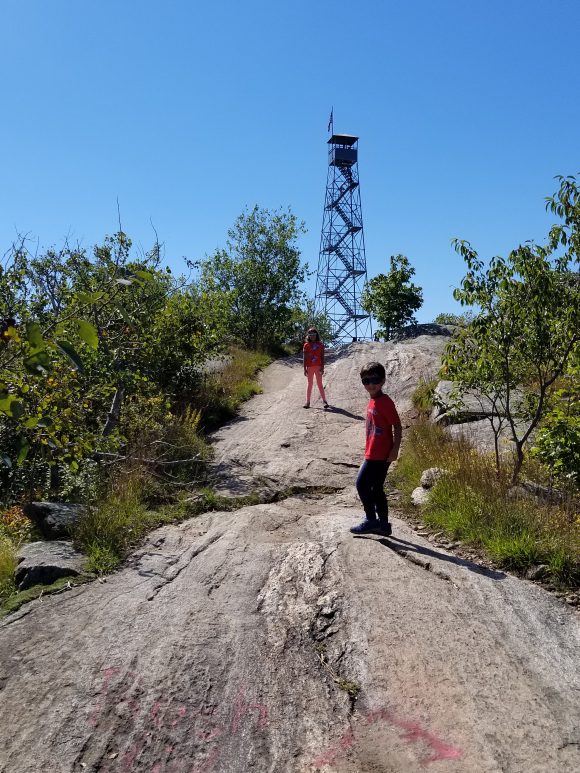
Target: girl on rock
[313,355]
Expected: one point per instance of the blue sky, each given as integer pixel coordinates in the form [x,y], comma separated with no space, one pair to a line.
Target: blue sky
[188,112]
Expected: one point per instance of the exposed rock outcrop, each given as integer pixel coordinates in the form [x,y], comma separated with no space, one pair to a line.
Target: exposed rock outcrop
[55,520]
[41,563]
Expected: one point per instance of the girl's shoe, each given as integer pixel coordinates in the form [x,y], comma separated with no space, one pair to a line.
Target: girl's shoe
[306,405]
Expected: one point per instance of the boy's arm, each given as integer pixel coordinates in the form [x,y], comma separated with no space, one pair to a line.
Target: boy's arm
[398,434]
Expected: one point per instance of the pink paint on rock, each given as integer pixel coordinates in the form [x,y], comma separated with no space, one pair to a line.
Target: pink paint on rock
[412,733]
[242,707]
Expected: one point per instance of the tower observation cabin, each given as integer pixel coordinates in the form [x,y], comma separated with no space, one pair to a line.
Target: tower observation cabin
[342,271]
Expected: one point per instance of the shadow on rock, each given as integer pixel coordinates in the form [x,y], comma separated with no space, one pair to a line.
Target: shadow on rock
[473,567]
[424,551]
[344,412]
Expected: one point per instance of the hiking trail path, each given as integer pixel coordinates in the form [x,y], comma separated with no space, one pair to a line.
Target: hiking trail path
[269,639]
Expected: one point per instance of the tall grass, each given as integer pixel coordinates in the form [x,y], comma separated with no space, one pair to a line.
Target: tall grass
[422,397]
[7,567]
[223,391]
[475,504]
[107,531]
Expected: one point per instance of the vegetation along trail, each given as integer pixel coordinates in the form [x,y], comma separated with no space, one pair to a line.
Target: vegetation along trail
[271,639]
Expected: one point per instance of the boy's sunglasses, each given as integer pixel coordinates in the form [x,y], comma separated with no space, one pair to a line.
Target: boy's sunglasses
[371,380]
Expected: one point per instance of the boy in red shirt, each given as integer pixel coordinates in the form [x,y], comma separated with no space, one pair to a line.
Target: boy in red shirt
[382,447]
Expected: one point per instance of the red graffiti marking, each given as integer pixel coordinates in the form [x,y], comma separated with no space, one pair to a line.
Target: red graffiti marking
[108,674]
[242,707]
[412,732]
[162,717]
[345,743]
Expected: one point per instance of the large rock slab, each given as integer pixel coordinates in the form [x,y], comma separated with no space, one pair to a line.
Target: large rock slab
[55,520]
[272,639]
[41,563]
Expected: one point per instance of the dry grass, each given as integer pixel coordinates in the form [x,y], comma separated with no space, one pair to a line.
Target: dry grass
[476,504]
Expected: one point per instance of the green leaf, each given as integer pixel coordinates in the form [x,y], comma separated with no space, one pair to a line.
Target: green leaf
[38,363]
[23,450]
[11,406]
[146,275]
[123,312]
[87,332]
[34,335]
[89,298]
[70,352]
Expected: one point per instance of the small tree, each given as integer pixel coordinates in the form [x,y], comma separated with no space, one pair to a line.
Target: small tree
[392,298]
[528,324]
[262,272]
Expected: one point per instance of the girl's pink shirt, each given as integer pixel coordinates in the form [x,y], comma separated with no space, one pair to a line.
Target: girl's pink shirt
[313,353]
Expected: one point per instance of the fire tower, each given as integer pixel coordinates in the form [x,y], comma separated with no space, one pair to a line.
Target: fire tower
[342,268]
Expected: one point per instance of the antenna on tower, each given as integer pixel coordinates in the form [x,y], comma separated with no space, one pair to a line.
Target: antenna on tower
[342,268]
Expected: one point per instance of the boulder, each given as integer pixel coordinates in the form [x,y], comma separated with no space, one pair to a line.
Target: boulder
[430,476]
[420,496]
[537,572]
[471,406]
[519,492]
[54,520]
[41,563]
[480,435]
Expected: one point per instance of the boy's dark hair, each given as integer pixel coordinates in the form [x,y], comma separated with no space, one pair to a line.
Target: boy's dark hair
[373,369]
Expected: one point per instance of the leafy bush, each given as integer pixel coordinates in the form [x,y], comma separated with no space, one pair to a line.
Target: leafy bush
[461,320]
[558,441]
[15,526]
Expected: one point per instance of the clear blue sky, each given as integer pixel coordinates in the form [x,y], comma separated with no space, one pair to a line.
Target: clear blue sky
[187,112]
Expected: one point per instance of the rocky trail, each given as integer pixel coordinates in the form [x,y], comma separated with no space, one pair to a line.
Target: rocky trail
[270,639]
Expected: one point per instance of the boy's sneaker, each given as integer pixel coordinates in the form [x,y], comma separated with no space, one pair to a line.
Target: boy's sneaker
[366,527]
[384,527]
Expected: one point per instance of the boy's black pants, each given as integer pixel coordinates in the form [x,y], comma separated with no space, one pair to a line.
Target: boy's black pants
[370,483]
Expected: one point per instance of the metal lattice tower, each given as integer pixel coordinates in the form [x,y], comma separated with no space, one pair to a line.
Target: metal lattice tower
[342,268]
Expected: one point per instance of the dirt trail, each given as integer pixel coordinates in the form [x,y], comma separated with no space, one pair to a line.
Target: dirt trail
[231,642]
